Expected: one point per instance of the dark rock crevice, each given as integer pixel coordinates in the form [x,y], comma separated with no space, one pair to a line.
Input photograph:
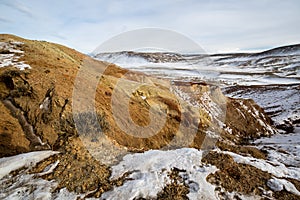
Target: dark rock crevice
[63,108]
[35,141]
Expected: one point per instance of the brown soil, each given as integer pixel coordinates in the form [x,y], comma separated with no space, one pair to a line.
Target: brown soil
[242,178]
[236,177]
[12,138]
[243,150]
[176,190]
[243,122]
[78,170]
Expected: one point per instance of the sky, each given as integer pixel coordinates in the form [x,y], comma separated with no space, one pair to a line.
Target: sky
[216,25]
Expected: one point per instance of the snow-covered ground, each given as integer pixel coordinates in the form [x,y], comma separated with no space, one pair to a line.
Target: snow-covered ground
[146,175]
[279,184]
[8,164]
[283,148]
[24,185]
[149,174]
[273,167]
[283,160]
[10,54]
[276,70]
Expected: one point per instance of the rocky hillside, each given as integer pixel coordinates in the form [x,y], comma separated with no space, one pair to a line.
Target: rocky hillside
[83,147]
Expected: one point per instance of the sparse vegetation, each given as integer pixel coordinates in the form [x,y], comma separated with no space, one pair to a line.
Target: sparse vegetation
[90,124]
[176,190]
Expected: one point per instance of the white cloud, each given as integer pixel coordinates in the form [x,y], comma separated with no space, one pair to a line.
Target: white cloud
[215,25]
[18,6]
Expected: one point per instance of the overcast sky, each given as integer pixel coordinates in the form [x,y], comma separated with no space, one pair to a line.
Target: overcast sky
[217,26]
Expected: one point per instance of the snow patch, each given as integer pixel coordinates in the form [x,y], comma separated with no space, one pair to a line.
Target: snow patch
[29,186]
[149,174]
[49,169]
[10,54]
[279,184]
[276,168]
[283,148]
[9,164]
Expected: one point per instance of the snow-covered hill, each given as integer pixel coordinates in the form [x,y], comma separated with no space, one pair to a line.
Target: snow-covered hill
[277,66]
[271,77]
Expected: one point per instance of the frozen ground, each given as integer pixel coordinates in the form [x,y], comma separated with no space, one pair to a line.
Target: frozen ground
[24,185]
[146,175]
[23,160]
[271,78]
[10,54]
[283,160]
[149,174]
[283,148]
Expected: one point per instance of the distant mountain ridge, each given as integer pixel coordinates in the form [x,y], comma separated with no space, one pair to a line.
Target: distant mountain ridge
[281,62]
[287,49]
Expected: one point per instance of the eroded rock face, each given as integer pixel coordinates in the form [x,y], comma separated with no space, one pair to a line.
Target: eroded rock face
[36,114]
